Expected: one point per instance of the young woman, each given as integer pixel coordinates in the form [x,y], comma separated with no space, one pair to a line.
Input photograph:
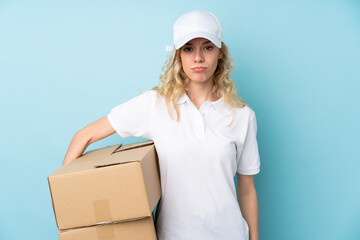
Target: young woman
[203,136]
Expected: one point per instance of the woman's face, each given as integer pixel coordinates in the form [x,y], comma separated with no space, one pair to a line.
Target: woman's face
[199,59]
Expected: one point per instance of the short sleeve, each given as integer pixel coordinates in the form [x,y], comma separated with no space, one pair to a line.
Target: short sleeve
[133,118]
[248,161]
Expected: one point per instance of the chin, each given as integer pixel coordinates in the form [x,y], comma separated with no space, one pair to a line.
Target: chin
[198,79]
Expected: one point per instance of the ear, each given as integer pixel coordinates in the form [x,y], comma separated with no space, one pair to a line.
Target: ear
[220,55]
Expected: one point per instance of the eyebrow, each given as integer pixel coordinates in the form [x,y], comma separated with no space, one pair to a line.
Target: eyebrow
[188,43]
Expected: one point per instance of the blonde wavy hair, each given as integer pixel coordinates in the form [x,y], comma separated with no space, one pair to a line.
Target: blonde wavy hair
[174,82]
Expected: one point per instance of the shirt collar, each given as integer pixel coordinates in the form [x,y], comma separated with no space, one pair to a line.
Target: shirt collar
[183,99]
[219,104]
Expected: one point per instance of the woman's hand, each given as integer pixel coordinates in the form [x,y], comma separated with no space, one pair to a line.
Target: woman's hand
[93,132]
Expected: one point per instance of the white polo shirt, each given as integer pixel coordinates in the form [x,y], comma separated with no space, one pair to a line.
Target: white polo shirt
[199,156]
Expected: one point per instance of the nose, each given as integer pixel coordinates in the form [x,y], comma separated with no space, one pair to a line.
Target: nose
[198,55]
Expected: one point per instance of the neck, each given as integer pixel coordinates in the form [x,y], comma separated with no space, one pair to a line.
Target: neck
[201,92]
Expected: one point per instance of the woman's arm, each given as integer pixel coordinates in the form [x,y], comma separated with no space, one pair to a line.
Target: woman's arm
[247,198]
[93,132]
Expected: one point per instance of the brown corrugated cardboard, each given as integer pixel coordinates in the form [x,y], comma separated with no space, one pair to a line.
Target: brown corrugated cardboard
[112,184]
[141,229]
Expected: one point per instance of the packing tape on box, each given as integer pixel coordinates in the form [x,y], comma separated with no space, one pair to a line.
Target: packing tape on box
[105,232]
[102,211]
[102,214]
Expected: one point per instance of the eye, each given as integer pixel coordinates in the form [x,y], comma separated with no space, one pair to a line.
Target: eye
[209,48]
[187,49]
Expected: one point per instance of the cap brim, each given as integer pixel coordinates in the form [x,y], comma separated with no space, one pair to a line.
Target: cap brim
[180,42]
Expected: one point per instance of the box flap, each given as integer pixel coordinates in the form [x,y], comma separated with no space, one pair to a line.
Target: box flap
[123,154]
[133,145]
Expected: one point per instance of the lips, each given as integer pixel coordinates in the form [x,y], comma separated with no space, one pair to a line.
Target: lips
[199,69]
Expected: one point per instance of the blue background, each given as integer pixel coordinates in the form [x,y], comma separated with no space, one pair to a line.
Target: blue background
[64,64]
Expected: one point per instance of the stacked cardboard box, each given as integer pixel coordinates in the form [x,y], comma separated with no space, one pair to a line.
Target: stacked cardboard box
[108,193]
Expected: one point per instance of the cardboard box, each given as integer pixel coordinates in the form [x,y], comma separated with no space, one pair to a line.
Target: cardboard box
[112,184]
[141,229]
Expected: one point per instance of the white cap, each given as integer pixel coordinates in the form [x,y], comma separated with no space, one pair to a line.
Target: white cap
[197,24]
